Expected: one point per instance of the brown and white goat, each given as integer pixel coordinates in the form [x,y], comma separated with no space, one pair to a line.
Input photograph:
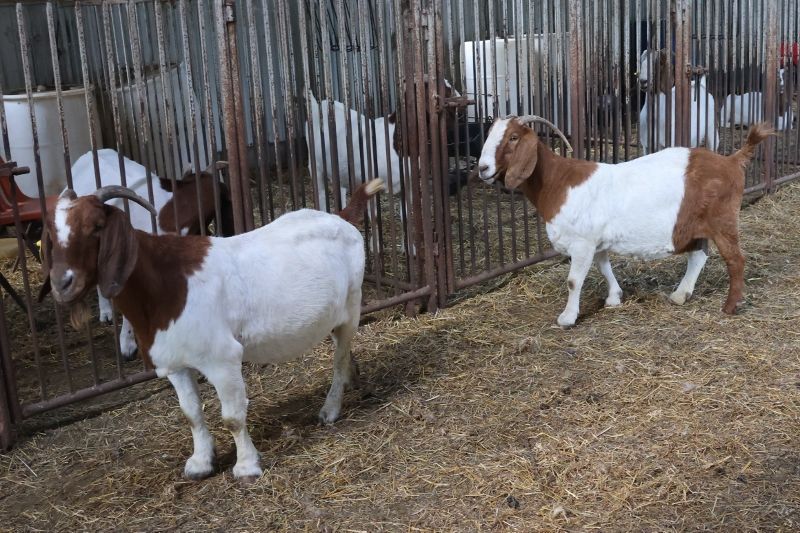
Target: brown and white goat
[206,304]
[177,208]
[661,204]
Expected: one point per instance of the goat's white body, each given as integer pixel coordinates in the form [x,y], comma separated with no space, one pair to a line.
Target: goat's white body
[277,291]
[83,182]
[323,153]
[265,296]
[746,110]
[703,122]
[629,208]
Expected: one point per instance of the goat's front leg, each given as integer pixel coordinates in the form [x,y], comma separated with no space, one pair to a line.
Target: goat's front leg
[614,290]
[342,371]
[106,310]
[226,377]
[201,464]
[697,260]
[127,341]
[581,261]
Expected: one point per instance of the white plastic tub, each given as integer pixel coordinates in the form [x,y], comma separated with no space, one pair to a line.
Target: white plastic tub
[506,55]
[48,128]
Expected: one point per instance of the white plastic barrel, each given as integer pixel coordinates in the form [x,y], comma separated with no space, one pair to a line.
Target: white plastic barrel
[48,128]
[506,54]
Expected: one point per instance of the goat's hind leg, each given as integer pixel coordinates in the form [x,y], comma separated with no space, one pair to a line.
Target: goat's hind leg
[343,371]
[614,290]
[226,377]
[695,264]
[728,246]
[201,464]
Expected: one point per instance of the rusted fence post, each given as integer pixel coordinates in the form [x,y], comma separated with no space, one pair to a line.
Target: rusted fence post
[233,115]
[770,90]
[577,91]
[683,118]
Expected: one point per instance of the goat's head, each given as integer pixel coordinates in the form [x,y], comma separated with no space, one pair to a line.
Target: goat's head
[511,150]
[90,243]
[184,203]
[655,70]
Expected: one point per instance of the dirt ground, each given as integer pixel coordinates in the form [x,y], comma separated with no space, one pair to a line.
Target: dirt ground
[483,416]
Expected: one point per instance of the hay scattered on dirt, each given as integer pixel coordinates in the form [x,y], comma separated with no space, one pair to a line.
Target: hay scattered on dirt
[485,415]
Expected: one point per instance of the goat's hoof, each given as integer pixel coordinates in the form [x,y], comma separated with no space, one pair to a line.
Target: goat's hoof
[328,415]
[130,355]
[614,300]
[197,469]
[246,474]
[106,317]
[679,297]
[566,320]
[731,308]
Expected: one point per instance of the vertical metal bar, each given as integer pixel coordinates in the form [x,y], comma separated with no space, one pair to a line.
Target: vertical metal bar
[167,103]
[10,411]
[332,135]
[193,145]
[238,103]
[439,157]
[211,137]
[422,187]
[770,92]
[258,105]
[384,60]
[311,137]
[577,90]
[67,168]
[26,69]
[344,70]
[369,160]
[289,112]
[223,11]
[274,114]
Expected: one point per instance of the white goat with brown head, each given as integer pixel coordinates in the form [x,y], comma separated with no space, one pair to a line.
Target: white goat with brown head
[206,304]
[665,203]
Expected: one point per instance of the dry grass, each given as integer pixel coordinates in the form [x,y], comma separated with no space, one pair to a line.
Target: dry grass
[484,416]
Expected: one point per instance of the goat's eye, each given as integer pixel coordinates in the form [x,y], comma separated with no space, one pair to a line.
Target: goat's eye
[514,138]
[98,227]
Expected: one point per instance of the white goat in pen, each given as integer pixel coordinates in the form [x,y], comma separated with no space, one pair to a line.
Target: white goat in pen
[653,206]
[703,107]
[747,109]
[207,304]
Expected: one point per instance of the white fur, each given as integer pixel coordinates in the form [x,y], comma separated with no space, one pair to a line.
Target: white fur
[63,229]
[486,163]
[630,208]
[703,122]
[307,284]
[746,110]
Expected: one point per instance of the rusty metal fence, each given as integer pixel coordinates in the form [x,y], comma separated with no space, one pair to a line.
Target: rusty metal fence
[305,100]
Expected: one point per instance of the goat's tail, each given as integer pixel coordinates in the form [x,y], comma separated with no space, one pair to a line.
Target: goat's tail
[755,135]
[354,212]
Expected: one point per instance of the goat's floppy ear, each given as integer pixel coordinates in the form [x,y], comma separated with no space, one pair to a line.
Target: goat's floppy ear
[118,252]
[523,161]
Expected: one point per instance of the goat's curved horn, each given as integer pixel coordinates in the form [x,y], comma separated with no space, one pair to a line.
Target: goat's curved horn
[68,194]
[108,192]
[535,118]
[219,165]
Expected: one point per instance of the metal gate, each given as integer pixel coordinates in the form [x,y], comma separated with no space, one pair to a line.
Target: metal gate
[304,100]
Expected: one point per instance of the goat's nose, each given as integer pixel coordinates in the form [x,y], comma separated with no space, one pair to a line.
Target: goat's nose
[66,281]
[484,168]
